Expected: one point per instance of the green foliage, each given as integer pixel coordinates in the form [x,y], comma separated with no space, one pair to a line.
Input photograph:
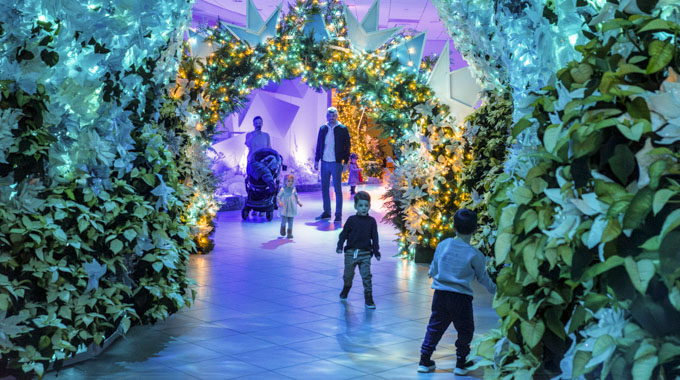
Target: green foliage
[189,142]
[589,239]
[487,137]
[91,202]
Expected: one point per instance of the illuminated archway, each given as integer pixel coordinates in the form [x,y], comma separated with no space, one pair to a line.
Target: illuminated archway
[312,42]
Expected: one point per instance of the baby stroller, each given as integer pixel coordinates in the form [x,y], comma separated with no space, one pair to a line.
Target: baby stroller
[262,183]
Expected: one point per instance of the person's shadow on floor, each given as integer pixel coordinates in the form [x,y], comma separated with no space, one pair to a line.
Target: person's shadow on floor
[325,225]
[276,243]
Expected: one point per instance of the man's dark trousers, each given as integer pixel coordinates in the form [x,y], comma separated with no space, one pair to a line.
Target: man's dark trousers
[448,307]
[328,170]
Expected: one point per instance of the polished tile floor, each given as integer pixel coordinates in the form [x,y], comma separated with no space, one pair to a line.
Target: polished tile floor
[267,308]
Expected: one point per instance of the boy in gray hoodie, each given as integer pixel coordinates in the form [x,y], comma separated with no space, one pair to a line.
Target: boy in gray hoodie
[456,263]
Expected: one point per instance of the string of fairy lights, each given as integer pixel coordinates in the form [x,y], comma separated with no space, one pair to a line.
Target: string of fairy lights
[374,81]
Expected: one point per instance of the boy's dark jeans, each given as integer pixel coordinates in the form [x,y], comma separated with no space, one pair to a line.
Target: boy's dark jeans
[450,307]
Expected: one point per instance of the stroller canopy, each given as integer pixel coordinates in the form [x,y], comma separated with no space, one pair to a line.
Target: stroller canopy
[264,168]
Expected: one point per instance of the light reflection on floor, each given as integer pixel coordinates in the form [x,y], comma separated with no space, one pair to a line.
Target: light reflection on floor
[267,308]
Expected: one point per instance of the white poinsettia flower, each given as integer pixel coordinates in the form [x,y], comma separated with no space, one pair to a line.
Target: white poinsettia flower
[606,13]
[415,217]
[666,102]
[609,322]
[644,161]
[414,192]
[589,205]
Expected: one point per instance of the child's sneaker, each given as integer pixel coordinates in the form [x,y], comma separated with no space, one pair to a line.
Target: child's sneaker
[290,235]
[368,297]
[283,231]
[426,364]
[344,293]
[462,366]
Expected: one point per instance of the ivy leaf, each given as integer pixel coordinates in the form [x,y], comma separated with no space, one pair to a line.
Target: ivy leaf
[532,332]
[520,126]
[661,55]
[645,362]
[638,208]
[530,260]
[581,73]
[522,195]
[581,358]
[640,272]
[130,234]
[668,351]
[49,57]
[612,231]
[669,259]
[502,246]
[551,137]
[660,198]
[60,235]
[672,222]
[656,24]
[674,297]
[157,266]
[533,308]
[116,246]
[599,268]
[638,109]
[622,163]
[578,317]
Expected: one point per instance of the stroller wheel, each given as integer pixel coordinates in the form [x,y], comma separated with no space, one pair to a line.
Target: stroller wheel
[270,215]
[245,212]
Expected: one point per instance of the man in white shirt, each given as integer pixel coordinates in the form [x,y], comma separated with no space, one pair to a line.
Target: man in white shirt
[332,149]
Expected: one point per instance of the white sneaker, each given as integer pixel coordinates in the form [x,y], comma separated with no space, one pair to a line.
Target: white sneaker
[460,371]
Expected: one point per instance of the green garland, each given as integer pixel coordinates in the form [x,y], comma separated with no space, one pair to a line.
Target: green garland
[399,101]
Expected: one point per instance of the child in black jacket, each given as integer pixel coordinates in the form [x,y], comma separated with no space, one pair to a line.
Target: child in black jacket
[361,233]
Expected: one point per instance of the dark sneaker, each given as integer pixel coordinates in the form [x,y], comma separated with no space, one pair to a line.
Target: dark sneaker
[344,293]
[462,367]
[323,216]
[426,364]
[290,235]
[283,231]
[338,219]
[368,297]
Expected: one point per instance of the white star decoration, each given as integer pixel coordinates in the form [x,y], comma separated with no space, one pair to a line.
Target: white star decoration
[365,36]
[410,52]
[457,89]
[256,31]
[316,26]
